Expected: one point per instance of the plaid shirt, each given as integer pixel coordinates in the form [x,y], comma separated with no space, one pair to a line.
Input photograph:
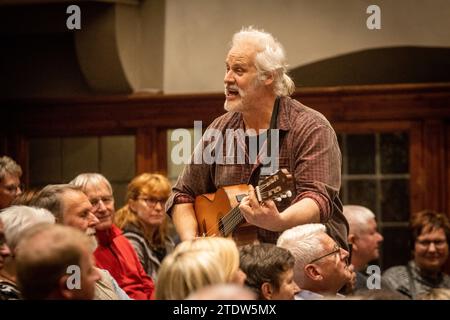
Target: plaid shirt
[308,150]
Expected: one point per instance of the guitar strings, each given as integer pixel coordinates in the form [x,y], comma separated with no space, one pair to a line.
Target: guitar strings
[234,217]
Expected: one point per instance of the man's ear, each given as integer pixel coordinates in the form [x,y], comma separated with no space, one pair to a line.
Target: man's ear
[267,291]
[65,292]
[352,241]
[268,78]
[313,272]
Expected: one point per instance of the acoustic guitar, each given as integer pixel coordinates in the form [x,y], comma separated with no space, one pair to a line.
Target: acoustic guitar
[218,213]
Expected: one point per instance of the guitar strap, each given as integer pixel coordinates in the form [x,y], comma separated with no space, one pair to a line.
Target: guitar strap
[255,177]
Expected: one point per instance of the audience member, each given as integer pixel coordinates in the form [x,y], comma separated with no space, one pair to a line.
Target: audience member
[114,252]
[144,221]
[226,251]
[269,270]
[44,256]
[321,266]
[186,271]
[224,291]
[430,233]
[17,220]
[10,173]
[365,241]
[71,207]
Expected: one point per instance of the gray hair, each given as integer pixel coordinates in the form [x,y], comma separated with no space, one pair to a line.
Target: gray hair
[305,245]
[270,58]
[84,179]
[50,198]
[18,219]
[358,217]
[8,165]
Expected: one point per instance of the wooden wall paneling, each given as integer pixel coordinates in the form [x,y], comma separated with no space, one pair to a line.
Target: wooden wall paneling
[447,163]
[161,152]
[434,164]
[151,150]
[417,183]
[145,143]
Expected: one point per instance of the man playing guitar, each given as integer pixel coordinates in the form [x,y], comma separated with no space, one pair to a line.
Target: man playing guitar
[257,91]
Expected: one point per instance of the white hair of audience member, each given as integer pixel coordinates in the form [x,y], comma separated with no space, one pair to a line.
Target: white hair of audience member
[224,291]
[84,179]
[304,244]
[270,58]
[358,217]
[17,219]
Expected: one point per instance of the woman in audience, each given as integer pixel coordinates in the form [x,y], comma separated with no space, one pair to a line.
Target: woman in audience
[144,221]
[430,233]
[226,251]
[186,271]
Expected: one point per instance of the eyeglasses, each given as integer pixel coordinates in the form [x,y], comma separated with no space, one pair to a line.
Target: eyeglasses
[336,249]
[151,202]
[106,201]
[437,243]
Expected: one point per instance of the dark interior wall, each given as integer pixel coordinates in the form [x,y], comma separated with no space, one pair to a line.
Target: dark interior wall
[377,66]
[40,65]
[38,56]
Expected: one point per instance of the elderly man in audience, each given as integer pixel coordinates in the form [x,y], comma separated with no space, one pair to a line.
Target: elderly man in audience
[10,173]
[270,271]
[17,220]
[114,252]
[71,207]
[55,262]
[430,233]
[321,265]
[365,241]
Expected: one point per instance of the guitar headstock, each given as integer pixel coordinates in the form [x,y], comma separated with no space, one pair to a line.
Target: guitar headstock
[275,187]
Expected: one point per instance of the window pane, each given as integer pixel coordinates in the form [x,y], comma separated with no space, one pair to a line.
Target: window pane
[182,149]
[363,193]
[79,155]
[361,153]
[394,153]
[117,157]
[395,200]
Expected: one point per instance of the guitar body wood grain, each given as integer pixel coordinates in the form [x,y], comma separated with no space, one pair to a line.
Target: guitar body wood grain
[209,208]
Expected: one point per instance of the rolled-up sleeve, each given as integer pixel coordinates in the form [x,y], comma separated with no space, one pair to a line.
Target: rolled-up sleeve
[317,166]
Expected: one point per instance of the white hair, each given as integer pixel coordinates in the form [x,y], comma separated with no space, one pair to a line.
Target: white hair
[84,179]
[17,219]
[358,217]
[270,58]
[305,245]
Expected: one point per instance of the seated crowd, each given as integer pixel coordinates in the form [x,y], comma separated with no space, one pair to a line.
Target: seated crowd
[67,241]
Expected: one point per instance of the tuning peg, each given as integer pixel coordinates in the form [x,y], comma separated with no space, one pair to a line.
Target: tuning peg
[289,193]
[277,199]
[284,196]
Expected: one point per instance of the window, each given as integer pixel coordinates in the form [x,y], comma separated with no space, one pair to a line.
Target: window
[59,160]
[375,174]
